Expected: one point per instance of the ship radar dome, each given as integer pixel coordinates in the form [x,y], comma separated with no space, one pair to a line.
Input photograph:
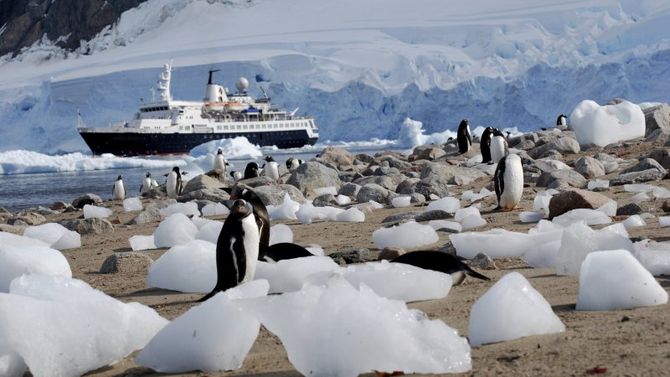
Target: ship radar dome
[242,84]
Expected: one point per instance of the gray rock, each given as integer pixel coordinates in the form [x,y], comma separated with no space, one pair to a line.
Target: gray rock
[572,198]
[561,145]
[324,200]
[610,163]
[337,157]
[89,226]
[201,182]
[408,186]
[155,193]
[349,189]
[60,206]
[399,218]
[589,167]
[85,199]
[258,181]
[213,195]
[389,182]
[645,164]
[274,194]
[629,210]
[666,206]
[426,152]
[126,262]
[396,163]
[372,191]
[450,174]
[390,253]
[436,214]
[547,164]
[657,118]
[366,158]
[312,175]
[662,156]
[27,218]
[638,177]
[433,186]
[483,262]
[149,215]
[361,255]
[14,229]
[561,179]
[515,142]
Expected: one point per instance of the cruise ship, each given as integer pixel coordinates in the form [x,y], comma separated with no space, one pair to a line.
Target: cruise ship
[170,126]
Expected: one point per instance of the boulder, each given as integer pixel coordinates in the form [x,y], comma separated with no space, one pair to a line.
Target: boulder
[426,152]
[666,206]
[562,145]
[657,118]
[365,158]
[610,163]
[92,225]
[27,218]
[201,182]
[662,156]
[574,198]
[59,206]
[407,187]
[589,167]
[433,186]
[395,162]
[645,164]
[561,179]
[15,229]
[149,215]
[349,189]
[638,177]
[258,181]
[389,182]
[312,175]
[547,164]
[436,214]
[85,199]
[629,210]
[324,200]
[274,194]
[374,192]
[451,174]
[213,195]
[336,156]
[126,262]
[399,218]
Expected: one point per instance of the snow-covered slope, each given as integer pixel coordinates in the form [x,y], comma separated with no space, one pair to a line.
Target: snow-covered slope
[360,67]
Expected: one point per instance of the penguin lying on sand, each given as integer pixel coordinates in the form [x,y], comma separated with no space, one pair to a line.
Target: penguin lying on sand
[441,262]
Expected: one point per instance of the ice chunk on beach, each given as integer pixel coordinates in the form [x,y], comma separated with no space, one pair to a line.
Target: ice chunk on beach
[585,215]
[316,250]
[72,311]
[473,196]
[664,221]
[132,204]
[654,256]
[543,250]
[495,243]
[640,197]
[542,199]
[469,217]
[401,201]
[602,125]
[188,209]
[210,232]
[531,217]
[10,239]
[139,242]
[213,336]
[445,224]
[407,235]
[598,183]
[578,240]
[91,211]
[289,275]
[354,327]
[614,279]
[176,229]
[215,209]
[511,309]
[351,215]
[638,187]
[280,233]
[447,204]
[634,221]
[284,211]
[661,193]
[11,364]
[307,213]
[190,267]
[19,260]
[343,200]
[54,235]
[326,190]
[609,208]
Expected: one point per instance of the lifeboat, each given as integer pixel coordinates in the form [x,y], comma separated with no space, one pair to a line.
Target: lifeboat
[235,106]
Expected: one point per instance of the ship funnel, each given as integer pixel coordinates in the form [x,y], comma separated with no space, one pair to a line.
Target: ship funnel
[214,92]
[211,73]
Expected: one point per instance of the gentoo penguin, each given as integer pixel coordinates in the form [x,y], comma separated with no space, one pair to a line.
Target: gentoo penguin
[147,183]
[271,168]
[236,175]
[173,185]
[485,145]
[251,171]
[508,182]
[293,163]
[118,191]
[499,148]
[463,137]
[220,163]
[439,261]
[236,248]
[562,121]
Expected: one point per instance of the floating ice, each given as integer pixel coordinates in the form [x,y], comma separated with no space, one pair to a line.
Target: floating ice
[473,196]
[634,221]
[585,215]
[132,204]
[360,332]
[210,232]
[289,275]
[448,204]
[542,199]
[213,336]
[188,209]
[598,183]
[54,235]
[139,242]
[511,309]
[578,240]
[326,190]
[176,229]
[614,279]
[215,209]
[401,201]
[71,311]
[284,211]
[495,243]
[238,147]
[94,211]
[190,267]
[280,233]
[654,256]
[445,224]
[17,260]
[412,134]
[531,217]
[343,200]
[407,235]
[602,125]
[352,215]
[664,221]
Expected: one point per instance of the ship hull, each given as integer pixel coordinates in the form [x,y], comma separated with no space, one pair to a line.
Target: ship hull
[142,144]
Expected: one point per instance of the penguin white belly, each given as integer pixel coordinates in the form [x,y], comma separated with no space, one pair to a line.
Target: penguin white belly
[252,240]
[219,164]
[294,164]
[171,185]
[513,178]
[272,170]
[146,185]
[237,176]
[119,191]
[498,148]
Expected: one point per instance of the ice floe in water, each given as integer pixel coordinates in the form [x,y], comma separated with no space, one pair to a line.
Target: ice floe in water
[654,256]
[213,336]
[290,274]
[17,260]
[54,235]
[359,332]
[407,235]
[139,242]
[280,233]
[91,211]
[72,311]
[602,125]
[174,230]
[190,267]
[614,279]
[511,309]
[132,204]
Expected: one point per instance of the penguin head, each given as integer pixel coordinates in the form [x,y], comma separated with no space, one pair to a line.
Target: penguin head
[464,123]
[118,178]
[241,208]
[220,151]
[269,158]
[176,169]
[148,175]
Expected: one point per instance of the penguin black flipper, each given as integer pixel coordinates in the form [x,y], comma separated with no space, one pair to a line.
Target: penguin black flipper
[260,213]
[437,261]
[473,273]
[282,251]
[499,179]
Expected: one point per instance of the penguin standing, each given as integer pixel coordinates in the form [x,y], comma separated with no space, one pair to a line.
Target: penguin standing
[236,175]
[251,171]
[271,168]
[118,191]
[562,122]
[220,163]
[147,183]
[499,147]
[236,248]
[463,137]
[441,262]
[508,182]
[485,145]
[174,184]
[293,163]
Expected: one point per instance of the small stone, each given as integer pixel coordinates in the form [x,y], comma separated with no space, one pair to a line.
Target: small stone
[571,199]
[361,255]
[389,253]
[483,262]
[561,179]
[629,209]
[399,218]
[28,218]
[666,206]
[149,215]
[436,214]
[324,200]
[126,262]
[92,225]
[589,167]
[59,206]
